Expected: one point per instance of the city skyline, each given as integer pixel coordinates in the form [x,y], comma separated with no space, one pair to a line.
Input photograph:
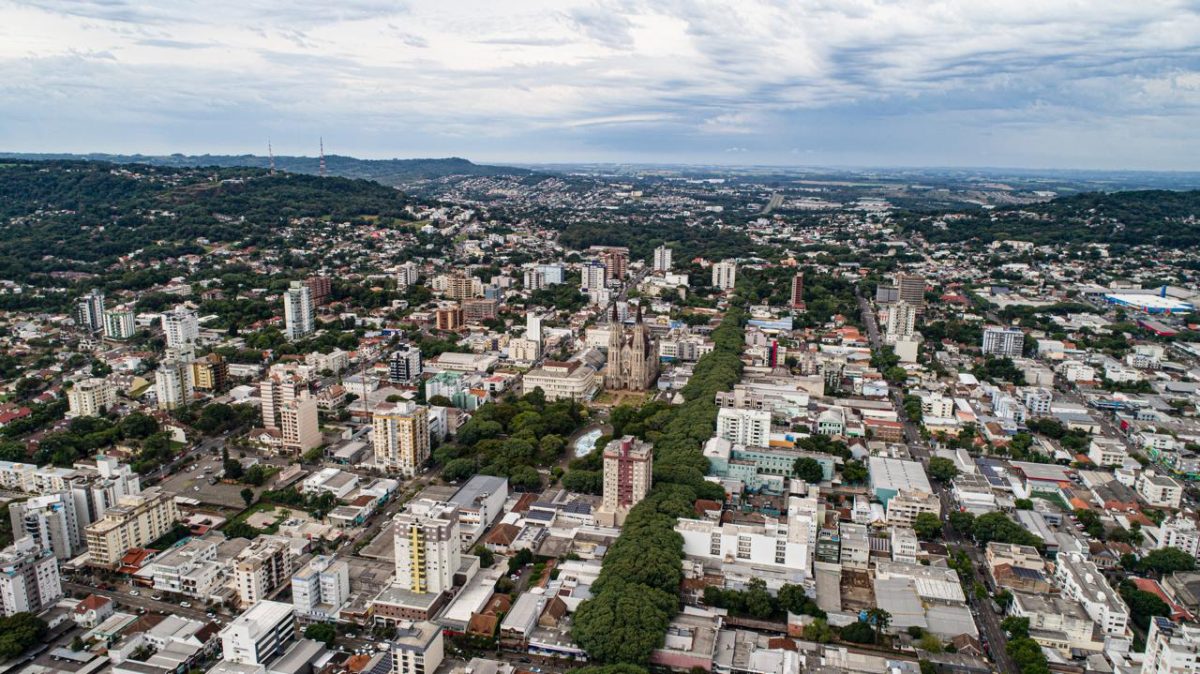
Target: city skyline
[1032,85]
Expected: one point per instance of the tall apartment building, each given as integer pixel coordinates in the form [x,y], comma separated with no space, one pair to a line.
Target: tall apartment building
[29,580]
[278,389]
[210,373]
[615,260]
[181,327]
[136,520]
[119,323]
[405,364]
[1080,580]
[798,290]
[1005,342]
[428,549]
[1171,648]
[724,275]
[901,321]
[479,310]
[408,274]
[261,568]
[400,436]
[319,287]
[552,274]
[744,426]
[51,521]
[260,634]
[1159,491]
[910,288]
[532,279]
[662,259]
[628,471]
[190,569]
[1179,532]
[593,276]
[321,588]
[299,425]
[173,383]
[448,316]
[418,648]
[91,397]
[533,327]
[89,311]
[299,319]
[463,287]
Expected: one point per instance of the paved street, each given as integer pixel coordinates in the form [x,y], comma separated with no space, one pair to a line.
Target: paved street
[124,599]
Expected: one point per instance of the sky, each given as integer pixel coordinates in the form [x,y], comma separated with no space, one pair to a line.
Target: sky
[1093,84]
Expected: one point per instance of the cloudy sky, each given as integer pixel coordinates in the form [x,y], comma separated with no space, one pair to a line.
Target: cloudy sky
[1019,83]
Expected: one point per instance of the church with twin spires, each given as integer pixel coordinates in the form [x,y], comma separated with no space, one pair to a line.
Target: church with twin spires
[632,355]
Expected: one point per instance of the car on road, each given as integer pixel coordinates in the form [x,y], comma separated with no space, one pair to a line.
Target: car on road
[210,614]
[185,604]
[134,593]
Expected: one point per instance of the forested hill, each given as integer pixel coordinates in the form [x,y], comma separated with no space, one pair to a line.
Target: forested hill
[1161,217]
[394,172]
[72,216]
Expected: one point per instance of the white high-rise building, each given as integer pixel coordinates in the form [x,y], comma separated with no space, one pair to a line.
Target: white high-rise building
[29,580]
[533,327]
[261,568]
[89,311]
[298,318]
[181,327]
[405,364]
[278,389]
[1171,648]
[662,259]
[258,635]
[51,521]
[91,397]
[428,549]
[299,425]
[901,321]
[724,275]
[592,276]
[408,274]
[1005,342]
[321,588]
[533,279]
[400,436]
[744,426]
[173,383]
[119,323]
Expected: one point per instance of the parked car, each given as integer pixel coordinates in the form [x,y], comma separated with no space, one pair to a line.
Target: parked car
[185,604]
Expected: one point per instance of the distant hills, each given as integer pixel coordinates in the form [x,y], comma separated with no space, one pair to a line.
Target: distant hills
[393,172]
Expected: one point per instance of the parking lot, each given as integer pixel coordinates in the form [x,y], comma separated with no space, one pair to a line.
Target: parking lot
[193,482]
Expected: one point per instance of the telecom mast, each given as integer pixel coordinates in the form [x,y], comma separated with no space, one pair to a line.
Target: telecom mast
[321,169]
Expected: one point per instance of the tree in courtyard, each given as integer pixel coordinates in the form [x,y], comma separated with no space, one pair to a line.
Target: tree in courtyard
[809,470]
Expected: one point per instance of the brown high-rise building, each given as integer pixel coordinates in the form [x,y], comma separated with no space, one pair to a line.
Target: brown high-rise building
[477,311]
[210,373]
[911,288]
[320,287]
[798,290]
[449,317]
[615,260]
[628,473]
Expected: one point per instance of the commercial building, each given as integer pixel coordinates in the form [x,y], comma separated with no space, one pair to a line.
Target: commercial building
[1149,304]
[191,570]
[404,365]
[428,547]
[1003,342]
[910,288]
[89,311]
[748,427]
[1056,622]
[1179,532]
[724,275]
[91,397]
[299,318]
[480,503]
[261,568]
[321,588]
[1104,451]
[628,471]
[907,504]
[119,323]
[786,548]
[1159,491]
[259,635]
[889,476]
[662,259]
[400,436]
[417,648]
[562,381]
[29,580]
[136,520]
[181,327]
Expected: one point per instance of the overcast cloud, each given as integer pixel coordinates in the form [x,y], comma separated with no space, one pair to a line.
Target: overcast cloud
[1028,83]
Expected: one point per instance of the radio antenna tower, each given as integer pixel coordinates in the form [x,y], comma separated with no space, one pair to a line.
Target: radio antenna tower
[271,156]
[321,168]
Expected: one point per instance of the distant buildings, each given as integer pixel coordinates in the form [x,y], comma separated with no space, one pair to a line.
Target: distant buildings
[1003,342]
[662,259]
[628,470]
[592,276]
[724,275]
[298,311]
[400,435]
[615,260]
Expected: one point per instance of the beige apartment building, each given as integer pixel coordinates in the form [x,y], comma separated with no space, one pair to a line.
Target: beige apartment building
[135,521]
